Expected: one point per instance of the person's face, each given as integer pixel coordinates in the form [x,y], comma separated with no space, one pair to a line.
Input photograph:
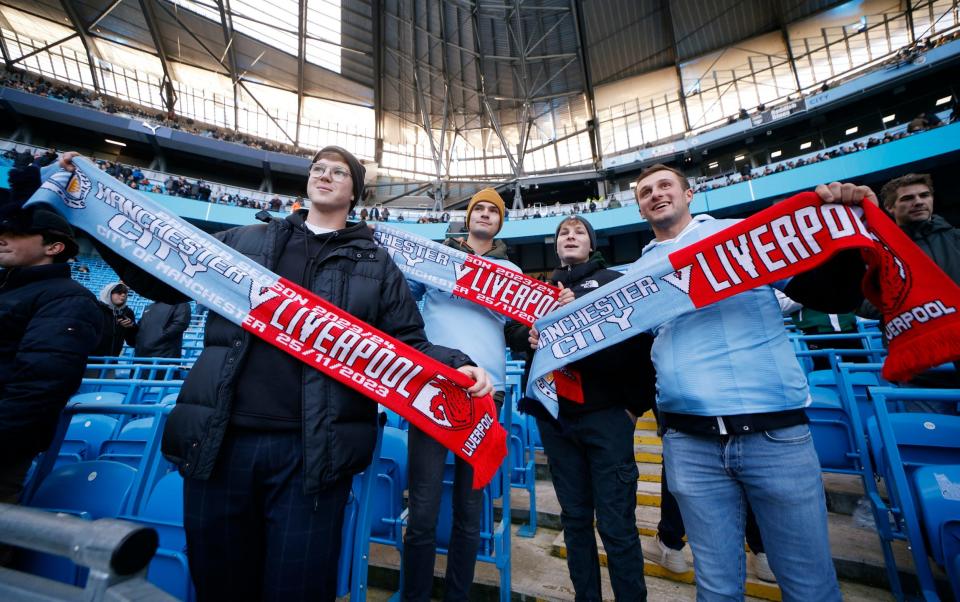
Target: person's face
[330,185]
[662,199]
[118,299]
[26,250]
[914,203]
[484,220]
[573,243]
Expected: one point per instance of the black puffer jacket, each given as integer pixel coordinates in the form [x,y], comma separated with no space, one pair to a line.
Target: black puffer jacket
[622,375]
[161,330]
[49,324]
[339,424]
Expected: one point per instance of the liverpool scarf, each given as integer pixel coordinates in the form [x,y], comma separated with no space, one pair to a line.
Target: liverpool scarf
[919,302]
[430,395]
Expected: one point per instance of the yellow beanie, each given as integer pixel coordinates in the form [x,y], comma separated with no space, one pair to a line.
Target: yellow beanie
[490,196]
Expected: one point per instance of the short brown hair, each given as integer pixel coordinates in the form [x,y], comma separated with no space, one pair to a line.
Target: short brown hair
[888,194]
[329,155]
[684,184]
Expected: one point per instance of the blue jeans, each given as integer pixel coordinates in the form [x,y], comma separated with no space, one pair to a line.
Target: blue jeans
[777,472]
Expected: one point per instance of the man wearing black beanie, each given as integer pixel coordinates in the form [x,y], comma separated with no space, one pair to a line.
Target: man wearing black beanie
[268,445]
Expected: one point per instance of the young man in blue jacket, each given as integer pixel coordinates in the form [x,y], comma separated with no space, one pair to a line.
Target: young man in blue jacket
[479,332]
[731,396]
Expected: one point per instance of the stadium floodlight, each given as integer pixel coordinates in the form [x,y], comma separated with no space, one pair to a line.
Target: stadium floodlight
[806,145]
[944,100]
[775,154]
[712,165]
[109,141]
[889,118]
[852,130]
[739,158]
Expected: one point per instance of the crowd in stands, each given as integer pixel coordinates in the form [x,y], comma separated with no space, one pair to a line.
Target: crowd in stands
[21,80]
[920,123]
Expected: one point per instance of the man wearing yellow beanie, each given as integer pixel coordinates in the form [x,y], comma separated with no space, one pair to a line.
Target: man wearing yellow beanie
[459,324]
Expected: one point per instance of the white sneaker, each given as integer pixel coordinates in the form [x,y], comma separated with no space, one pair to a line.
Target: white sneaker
[654,550]
[762,568]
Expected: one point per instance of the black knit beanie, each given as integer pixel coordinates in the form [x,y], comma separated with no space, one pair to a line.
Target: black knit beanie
[357,170]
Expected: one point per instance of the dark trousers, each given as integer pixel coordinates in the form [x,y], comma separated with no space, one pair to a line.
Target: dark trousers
[13,471]
[427,459]
[595,474]
[252,533]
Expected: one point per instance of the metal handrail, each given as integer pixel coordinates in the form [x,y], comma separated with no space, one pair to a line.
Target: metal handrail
[116,552]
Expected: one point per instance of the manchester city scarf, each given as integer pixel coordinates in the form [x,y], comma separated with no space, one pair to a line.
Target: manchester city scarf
[430,395]
[919,302]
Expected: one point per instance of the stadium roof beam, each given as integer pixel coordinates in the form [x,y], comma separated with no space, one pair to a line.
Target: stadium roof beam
[169,94]
[377,14]
[435,151]
[226,22]
[301,58]
[670,29]
[104,14]
[88,44]
[577,11]
[485,102]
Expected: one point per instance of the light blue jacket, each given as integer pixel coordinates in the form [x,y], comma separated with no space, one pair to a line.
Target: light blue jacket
[732,357]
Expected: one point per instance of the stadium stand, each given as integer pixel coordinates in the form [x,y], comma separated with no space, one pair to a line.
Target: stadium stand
[104,491]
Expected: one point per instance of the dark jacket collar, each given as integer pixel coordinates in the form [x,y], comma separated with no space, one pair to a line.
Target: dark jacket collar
[925,228]
[352,231]
[570,275]
[17,277]
[498,251]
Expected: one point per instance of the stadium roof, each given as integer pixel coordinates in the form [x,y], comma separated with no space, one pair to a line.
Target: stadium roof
[505,51]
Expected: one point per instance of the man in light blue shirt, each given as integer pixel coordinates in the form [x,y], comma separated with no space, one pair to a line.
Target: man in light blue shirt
[731,395]
[479,332]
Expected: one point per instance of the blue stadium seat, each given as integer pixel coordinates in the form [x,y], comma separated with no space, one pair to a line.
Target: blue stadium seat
[911,449]
[98,397]
[85,435]
[390,482]
[163,511]
[93,489]
[832,432]
[89,490]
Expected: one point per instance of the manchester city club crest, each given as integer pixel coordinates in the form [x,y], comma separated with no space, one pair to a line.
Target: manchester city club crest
[445,403]
[72,188]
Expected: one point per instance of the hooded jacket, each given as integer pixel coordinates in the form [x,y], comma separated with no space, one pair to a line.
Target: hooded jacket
[113,335]
[338,425]
[48,326]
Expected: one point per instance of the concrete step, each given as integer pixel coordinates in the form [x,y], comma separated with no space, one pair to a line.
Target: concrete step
[647,438]
[538,574]
[857,554]
[648,493]
[645,425]
[754,587]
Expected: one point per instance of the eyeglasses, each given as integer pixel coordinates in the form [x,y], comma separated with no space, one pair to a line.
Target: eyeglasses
[337,174]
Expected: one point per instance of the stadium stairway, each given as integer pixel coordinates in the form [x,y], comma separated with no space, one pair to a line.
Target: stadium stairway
[539,565]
